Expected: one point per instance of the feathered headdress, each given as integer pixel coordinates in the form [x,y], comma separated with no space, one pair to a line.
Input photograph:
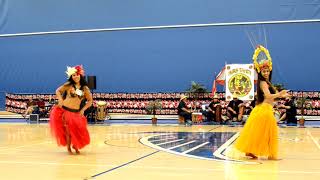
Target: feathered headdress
[260,60]
[76,69]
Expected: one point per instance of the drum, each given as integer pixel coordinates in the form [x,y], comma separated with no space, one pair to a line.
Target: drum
[241,112]
[101,110]
[218,113]
[196,117]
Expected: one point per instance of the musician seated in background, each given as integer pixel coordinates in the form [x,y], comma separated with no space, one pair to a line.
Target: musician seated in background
[212,109]
[31,105]
[183,109]
[252,104]
[290,111]
[235,109]
[41,110]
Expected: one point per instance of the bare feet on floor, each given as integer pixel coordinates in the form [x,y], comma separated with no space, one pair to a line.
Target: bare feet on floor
[252,156]
[69,150]
[76,149]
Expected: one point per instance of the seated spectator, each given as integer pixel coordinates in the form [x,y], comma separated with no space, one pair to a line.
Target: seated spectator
[31,105]
[252,104]
[40,103]
[183,109]
[41,110]
[213,114]
[290,111]
[235,109]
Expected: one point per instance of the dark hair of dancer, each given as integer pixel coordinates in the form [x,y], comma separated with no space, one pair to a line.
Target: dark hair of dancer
[260,95]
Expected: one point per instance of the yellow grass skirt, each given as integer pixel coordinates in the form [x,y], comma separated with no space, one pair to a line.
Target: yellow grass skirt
[259,135]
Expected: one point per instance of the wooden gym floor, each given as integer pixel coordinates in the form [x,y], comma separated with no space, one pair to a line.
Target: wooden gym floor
[162,152]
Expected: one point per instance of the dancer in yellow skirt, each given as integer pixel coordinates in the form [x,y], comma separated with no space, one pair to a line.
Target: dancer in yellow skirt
[259,136]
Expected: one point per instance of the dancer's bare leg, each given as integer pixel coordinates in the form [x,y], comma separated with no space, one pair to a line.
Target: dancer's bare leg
[68,139]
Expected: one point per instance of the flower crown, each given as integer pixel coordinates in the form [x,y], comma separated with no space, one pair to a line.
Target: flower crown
[76,69]
[266,63]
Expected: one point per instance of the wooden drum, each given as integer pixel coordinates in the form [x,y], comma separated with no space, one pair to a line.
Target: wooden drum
[218,113]
[101,110]
[196,117]
[241,112]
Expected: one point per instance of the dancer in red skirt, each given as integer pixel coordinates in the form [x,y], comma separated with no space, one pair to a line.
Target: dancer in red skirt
[67,122]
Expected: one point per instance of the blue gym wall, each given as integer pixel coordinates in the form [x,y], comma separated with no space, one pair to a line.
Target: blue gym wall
[159,60]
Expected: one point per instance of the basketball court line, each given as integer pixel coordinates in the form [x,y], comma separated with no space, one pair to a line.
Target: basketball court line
[177,168]
[173,138]
[112,169]
[154,146]
[180,145]
[167,142]
[214,128]
[157,167]
[29,162]
[196,147]
[220,152]
[313,139]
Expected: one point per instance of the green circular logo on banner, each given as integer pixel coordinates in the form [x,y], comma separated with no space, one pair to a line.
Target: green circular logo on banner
[239,85]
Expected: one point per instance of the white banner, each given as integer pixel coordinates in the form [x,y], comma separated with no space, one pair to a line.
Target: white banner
[239,81]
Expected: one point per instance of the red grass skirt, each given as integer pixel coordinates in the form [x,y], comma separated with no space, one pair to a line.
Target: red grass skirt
[63,121]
